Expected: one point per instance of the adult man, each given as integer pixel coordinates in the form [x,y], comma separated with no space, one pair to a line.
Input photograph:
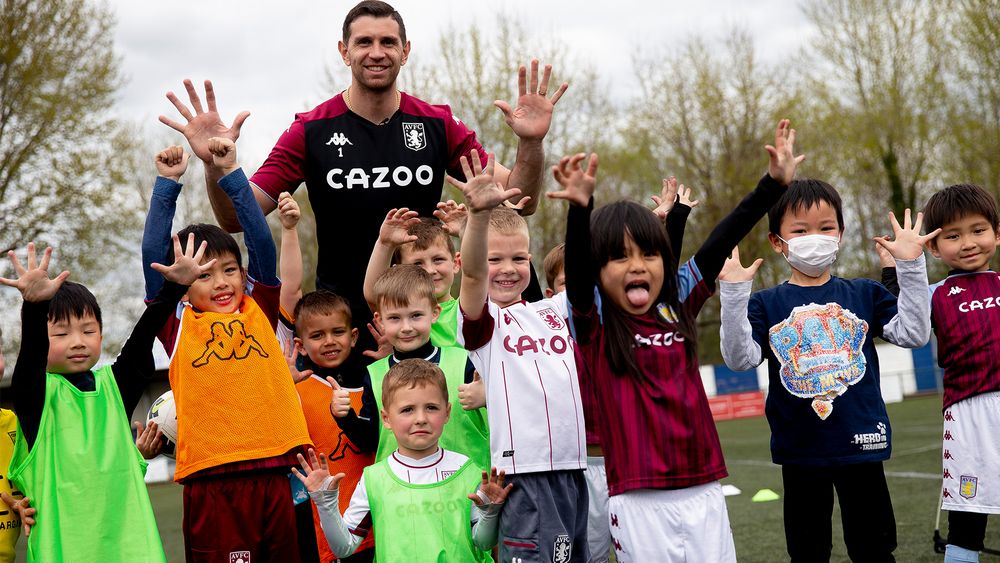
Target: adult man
[371,148]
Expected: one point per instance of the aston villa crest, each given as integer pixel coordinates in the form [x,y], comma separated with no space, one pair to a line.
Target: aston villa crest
[413,136]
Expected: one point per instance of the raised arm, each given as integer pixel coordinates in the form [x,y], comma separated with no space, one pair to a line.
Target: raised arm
[134,367]
[673,206]
[482,194]
[730,231]
[911,326]
[261,259]
[578,188]
[290,266]
[395,232]
[28,379]
[198,129]
[171,163]
[739,350]
[530,121]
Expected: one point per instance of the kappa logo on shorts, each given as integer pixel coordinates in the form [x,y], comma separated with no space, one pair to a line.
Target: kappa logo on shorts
[967,486]
[551,318]
[562,549]
[413,136]
[239,557]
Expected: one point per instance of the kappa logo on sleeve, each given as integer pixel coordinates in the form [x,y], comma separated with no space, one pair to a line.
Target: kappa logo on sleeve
[229,343]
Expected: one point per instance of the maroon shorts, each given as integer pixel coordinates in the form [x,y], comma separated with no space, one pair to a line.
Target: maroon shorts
[241,518]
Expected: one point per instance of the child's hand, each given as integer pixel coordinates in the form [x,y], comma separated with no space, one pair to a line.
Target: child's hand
[783,160]
[33,282]
[472,395]
[288,211]
[493,487]
[482,194]
[23,509]
[187,264]
[453,216]
[148,440]
[172,162]
[733,270]
[223,154]
[384,347]
[684,194]
[668,196]
[291,352]
[316,476]
[578,186]
[340,403]
[885,260]
[907,243]
[395,230]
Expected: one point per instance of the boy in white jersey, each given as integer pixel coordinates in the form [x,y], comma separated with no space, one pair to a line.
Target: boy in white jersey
[415,498]
[525,356]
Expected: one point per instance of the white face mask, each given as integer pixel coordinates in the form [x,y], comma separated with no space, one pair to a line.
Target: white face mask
[812,254]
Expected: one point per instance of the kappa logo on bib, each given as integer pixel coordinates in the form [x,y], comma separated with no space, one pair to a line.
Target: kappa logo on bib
[239,557]
[229,342]
[562,549]
[967,486]
[413,136]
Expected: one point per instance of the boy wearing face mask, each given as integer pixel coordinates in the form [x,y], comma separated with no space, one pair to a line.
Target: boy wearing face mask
[829,427]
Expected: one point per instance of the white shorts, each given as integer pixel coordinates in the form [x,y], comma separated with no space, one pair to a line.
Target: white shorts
[598,532]
[684,525]
[971,455]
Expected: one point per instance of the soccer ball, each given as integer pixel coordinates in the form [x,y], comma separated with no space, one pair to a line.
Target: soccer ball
[164,413]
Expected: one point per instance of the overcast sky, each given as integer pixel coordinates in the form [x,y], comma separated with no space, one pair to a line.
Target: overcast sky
[268,57]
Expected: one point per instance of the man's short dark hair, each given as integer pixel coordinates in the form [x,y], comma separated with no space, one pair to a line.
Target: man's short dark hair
[73,301]
[802,195]
[220,242]
[320,303]
[375,9]
[955,202]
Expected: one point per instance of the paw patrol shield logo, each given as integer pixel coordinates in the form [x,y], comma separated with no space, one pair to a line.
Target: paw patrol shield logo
[819,347]
[413,136]
[967,486]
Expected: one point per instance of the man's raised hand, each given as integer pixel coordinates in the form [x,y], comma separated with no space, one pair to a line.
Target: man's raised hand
[782,154]
[33,281]
[203,125]
[187,264]
[578,185]
[531,118]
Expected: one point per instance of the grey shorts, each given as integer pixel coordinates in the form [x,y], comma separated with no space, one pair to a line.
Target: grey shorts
[544,520]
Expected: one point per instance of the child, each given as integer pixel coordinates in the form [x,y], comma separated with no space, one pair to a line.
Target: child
[406,308]
[525,355]
[829,427]
[73,435]
[638,338]
[416,498]
[968,348]
[326,337]
[673,206]
[406,239]
[226,365]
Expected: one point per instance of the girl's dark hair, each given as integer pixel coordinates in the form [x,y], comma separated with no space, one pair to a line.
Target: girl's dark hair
[219,242]
[608,227]
[73,301]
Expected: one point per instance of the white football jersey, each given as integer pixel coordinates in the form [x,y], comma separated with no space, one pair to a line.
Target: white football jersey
[525,355]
